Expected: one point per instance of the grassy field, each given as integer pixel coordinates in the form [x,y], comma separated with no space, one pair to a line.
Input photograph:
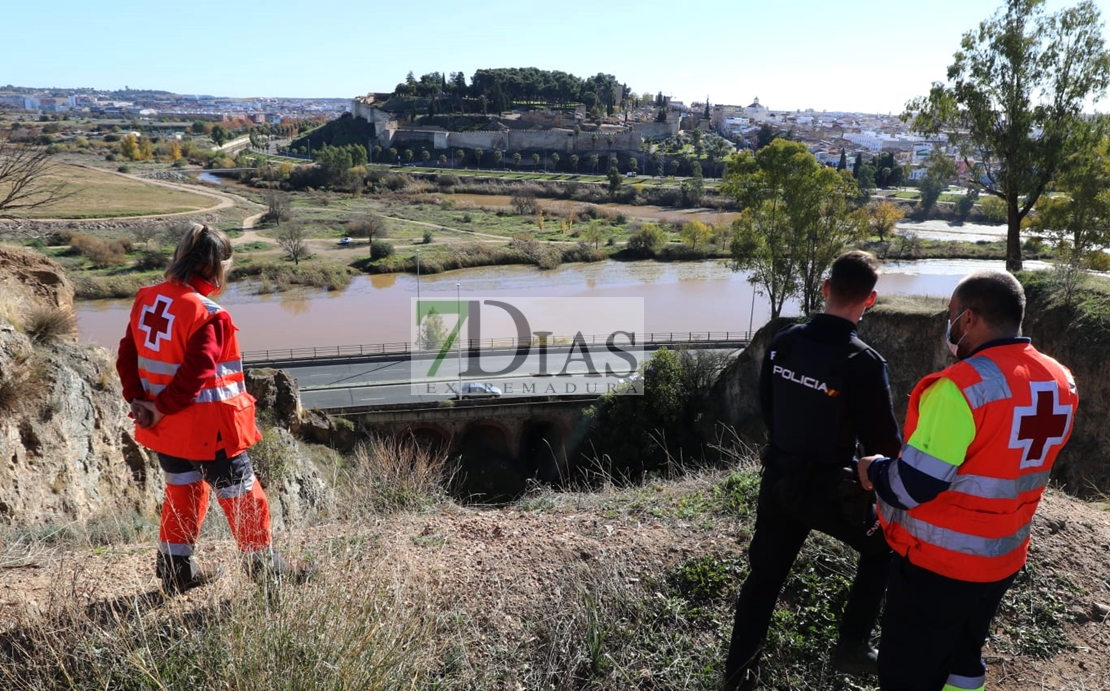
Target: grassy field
[97,194]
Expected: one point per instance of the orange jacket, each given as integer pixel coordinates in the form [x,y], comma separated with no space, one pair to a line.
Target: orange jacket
[221,416]
[1023,404]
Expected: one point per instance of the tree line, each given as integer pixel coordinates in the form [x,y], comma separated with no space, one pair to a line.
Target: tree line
[502,88]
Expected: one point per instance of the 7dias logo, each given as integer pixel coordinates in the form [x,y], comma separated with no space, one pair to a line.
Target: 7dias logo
[493,347]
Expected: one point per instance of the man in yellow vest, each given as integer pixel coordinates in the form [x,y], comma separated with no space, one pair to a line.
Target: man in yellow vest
[956,506]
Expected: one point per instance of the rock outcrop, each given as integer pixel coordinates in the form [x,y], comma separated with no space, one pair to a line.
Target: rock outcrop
[67,450]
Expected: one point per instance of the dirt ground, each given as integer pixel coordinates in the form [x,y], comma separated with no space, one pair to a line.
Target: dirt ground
[502,563]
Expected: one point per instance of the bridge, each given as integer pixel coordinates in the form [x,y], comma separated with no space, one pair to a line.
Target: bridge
[292,357]
[499,445]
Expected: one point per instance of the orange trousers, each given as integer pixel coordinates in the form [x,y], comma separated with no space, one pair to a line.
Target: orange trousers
[238,492]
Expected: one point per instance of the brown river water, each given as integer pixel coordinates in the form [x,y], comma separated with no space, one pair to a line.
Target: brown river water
[678,297]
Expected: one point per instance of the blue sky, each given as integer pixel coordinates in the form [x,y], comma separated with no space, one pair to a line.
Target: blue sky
[862,55]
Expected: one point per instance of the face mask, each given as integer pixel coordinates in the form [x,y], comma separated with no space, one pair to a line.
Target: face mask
[953,347]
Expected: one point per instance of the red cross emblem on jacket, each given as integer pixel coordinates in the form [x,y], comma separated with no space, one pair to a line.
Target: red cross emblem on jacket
[1042,424]
[157,322]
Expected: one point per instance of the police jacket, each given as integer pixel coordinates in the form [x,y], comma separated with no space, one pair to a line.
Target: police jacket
[822,390]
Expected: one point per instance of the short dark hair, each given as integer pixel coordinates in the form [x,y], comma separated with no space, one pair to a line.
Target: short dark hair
[853,276]
[996,296]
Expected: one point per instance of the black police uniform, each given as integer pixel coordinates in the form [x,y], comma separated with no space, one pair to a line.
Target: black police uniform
[821,390]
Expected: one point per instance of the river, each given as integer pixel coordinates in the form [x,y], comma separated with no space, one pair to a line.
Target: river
[678,296]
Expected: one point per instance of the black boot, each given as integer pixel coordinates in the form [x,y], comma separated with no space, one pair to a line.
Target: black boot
[179,574]
[857,658]
[267,567]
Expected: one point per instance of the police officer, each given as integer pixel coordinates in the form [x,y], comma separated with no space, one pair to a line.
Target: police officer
[957,505]
[822,390]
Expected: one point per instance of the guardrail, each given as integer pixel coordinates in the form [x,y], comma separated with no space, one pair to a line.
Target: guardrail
[407,347]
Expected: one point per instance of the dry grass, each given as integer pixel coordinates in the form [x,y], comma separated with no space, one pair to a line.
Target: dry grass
[359,627]
[97,194]
[46,323]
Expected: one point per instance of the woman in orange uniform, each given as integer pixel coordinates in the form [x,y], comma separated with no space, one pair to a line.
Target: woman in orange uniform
[181,370]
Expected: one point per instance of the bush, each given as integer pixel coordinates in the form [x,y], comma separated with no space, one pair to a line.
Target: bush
[100,251]
[447,181]
[152,260]
[380,249]
[648,240]
[124,169]
[524,204]
[427,237]
[47,323]
[395,182]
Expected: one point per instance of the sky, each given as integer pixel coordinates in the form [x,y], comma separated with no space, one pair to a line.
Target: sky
[852,55]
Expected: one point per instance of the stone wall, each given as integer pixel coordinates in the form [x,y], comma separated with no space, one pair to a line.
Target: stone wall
[562,140]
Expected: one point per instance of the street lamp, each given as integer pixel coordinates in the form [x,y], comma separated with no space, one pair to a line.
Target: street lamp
[458,342]
[418,282]
[751,315]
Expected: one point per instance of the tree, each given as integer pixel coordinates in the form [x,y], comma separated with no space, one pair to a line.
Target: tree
[129,147]
[693,190]
[940,169]
[535,160]
[843,164]
[277,207]
[27,179]
[478,157]
[292,239]
[425,155]
[554,161]
[377,151]
[1013,100]
[593,161]
[696,234]
[497,157]
[1077,222]
[460,155]
[373,227]
[797,217]
[615,180]
[966,203]
[516,160]
[882,217]
[633,164]
[593,234]
[433,333]
[765,136]
[574,162]
[408,155]
[219,135]
[442,160]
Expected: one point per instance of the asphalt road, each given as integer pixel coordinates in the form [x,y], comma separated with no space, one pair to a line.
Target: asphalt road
[396,380]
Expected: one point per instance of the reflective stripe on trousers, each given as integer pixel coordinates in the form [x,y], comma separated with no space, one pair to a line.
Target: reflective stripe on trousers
[957,683]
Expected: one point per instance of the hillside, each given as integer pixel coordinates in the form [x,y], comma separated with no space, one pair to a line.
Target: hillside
[610,590]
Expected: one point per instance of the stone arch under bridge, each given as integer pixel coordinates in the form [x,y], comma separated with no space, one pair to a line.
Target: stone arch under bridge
[497,448]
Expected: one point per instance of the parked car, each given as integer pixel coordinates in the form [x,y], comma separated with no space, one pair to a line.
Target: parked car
[345,240]
[630,174]
[478,390]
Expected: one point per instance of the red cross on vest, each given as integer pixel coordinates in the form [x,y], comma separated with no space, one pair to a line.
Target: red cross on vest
[1040,425]
[156,322]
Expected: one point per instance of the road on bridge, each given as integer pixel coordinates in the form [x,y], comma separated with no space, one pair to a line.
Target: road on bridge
[386,380]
